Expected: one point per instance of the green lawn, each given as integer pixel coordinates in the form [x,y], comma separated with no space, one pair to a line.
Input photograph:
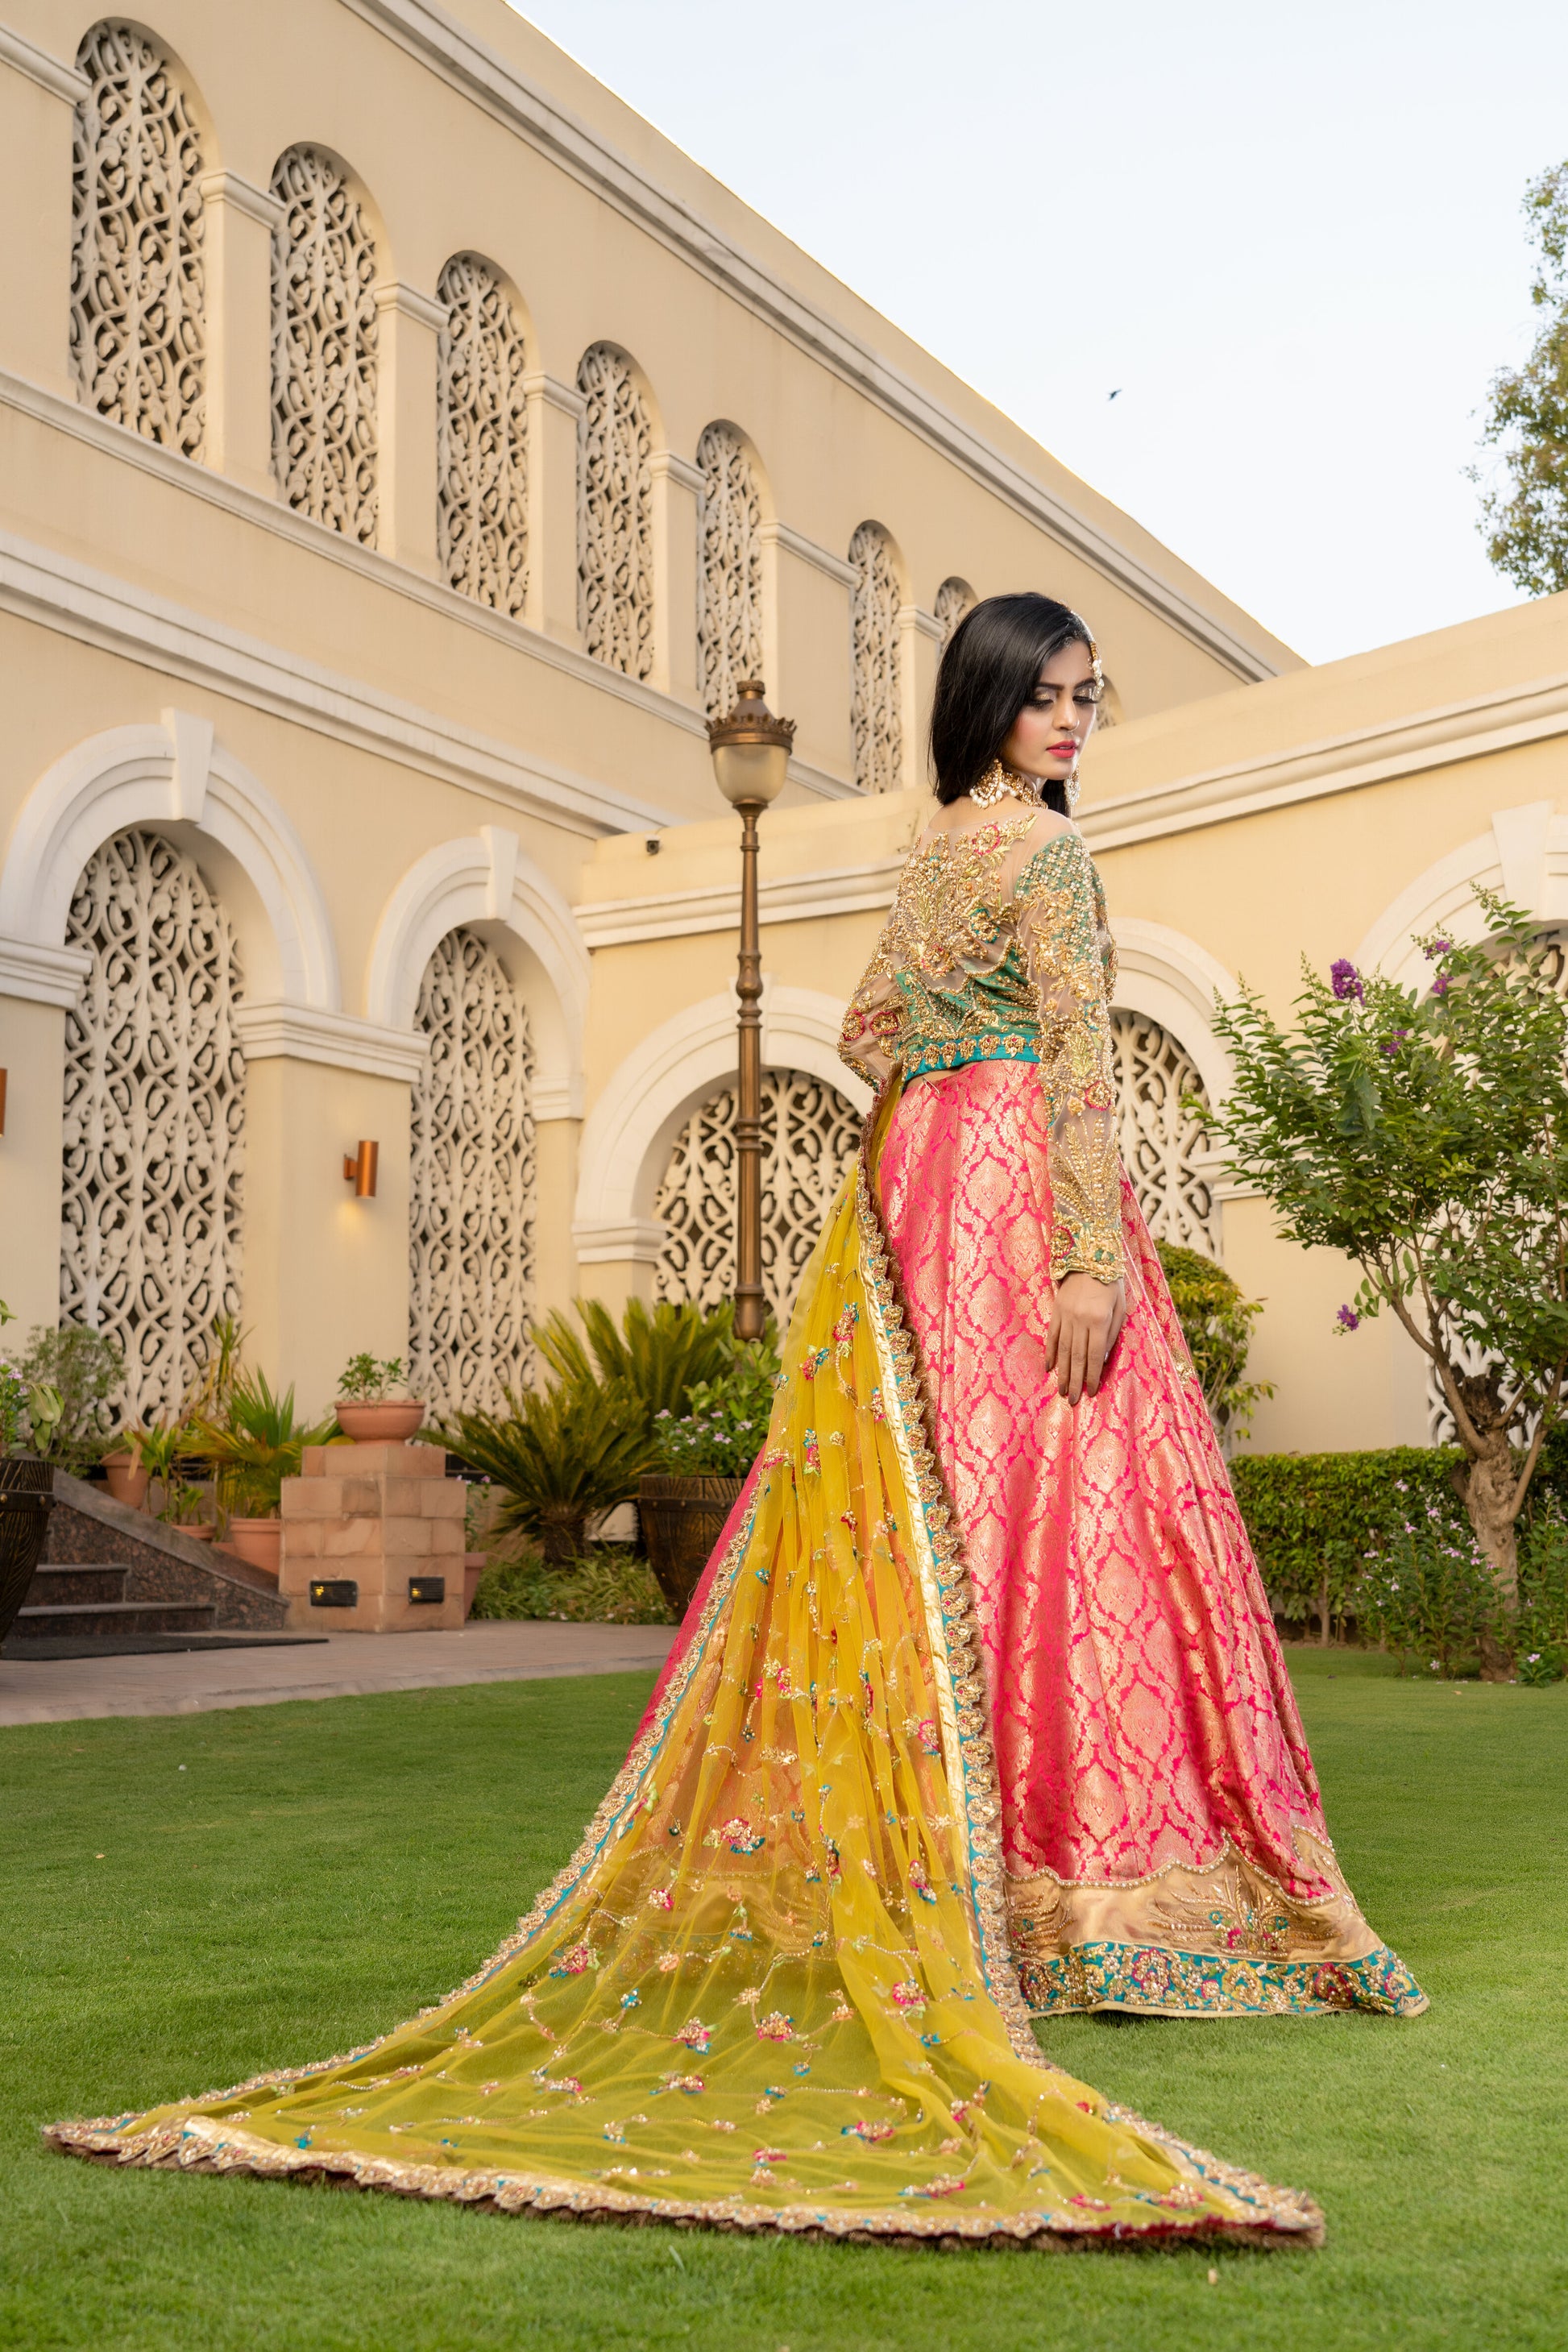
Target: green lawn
[316,1871]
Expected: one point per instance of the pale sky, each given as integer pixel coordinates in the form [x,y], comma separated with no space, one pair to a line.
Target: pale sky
[1290,238]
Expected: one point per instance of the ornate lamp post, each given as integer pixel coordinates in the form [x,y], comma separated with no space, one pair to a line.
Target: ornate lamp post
[751,751]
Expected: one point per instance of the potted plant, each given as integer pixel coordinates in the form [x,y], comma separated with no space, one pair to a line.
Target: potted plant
[366,1413]
[126,1471]
[703,1457]
[256,1445]
[26,1480]
[561,1457]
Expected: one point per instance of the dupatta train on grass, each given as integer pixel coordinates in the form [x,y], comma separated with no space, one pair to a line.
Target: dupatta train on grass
[777,1988]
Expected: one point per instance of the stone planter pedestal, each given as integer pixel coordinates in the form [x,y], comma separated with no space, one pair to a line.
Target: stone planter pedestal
[379,1519]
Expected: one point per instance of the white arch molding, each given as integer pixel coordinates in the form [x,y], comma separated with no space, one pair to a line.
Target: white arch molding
[631,1130]
[1524,856]
[487,883]
[177,779]
[1172,980]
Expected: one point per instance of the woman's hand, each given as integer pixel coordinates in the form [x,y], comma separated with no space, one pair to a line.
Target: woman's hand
[1086,1323]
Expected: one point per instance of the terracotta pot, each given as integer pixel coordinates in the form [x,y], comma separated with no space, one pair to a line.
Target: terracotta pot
[128,1481]
[260,1542]
[392,1422]
[473,1568]
[682,1519]
[205,1532]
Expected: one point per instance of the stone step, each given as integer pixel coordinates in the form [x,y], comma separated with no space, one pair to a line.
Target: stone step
[60,1583]
[104,1620]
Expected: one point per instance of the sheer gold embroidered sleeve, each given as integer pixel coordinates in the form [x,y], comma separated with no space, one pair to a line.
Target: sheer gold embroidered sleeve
[1071,964]
[868,1039]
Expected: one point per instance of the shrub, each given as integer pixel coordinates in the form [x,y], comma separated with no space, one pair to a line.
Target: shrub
[611,1588]
[84,1367]
[727,1420]
[563,1456]
[650,1363]
[1427,1594]
[254,1446]
[1217,1323]
[1541,1625]
[1315,1519]
[366,1380]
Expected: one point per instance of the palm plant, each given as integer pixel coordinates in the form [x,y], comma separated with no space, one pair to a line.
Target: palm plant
[563,1457]
[255,1445]
[650,1363]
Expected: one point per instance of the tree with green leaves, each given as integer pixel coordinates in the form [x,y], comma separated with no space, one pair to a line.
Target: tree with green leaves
[1217,1319]
[1424,1134]
[1525,523]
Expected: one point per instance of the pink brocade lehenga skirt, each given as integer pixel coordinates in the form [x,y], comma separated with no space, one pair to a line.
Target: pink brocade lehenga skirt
[1162,1833]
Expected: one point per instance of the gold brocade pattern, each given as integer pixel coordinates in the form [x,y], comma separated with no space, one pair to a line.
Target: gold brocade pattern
[994,954]
[772,1991]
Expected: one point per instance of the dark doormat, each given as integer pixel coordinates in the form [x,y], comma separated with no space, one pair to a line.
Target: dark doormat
[144,1645]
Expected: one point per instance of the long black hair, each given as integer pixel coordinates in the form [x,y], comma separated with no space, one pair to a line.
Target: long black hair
[990,670]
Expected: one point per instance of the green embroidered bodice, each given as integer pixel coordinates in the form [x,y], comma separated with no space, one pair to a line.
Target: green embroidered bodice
[997,950]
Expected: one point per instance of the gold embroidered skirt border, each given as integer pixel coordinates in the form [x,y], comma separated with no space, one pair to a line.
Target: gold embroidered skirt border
[1217,1942]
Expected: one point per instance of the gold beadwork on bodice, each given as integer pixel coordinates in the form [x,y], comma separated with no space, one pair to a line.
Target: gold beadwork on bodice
[988,956]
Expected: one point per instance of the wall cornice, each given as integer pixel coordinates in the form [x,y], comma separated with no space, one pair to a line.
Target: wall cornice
[392,294]
[40,585]
[576,802]
[468,64]
[784,898]
[367,562]
[807,550]
[49,72]
[1405,745]
[42,975]
[256,203]
[300,1033]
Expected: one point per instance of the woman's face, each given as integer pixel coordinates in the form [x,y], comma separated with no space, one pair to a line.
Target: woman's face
[1056,721]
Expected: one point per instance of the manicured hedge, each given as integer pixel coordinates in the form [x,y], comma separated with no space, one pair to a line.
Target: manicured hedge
[1297,1505]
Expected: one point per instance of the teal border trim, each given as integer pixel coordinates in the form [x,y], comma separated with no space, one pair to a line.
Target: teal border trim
[1160,1981]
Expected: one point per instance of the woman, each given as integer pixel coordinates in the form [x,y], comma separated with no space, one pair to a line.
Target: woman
[785,1981]
[1162,1834]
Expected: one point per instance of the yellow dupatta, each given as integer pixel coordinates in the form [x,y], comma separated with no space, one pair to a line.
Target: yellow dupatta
[772,1990]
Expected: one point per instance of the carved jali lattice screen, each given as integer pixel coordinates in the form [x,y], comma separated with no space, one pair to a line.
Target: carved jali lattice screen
[154,1116]
[614,525]
[953,599]
[138,338]
[323,348]
[470,1211]
[875,726]
[481,438]
[730,626]
[1164,1147]
[810,1137]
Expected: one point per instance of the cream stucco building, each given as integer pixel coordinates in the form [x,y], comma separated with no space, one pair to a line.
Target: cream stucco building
[405,447]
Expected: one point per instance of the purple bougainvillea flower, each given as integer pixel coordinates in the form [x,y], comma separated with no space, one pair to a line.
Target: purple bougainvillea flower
[1346,980]
[1440,985]
[1347,1319]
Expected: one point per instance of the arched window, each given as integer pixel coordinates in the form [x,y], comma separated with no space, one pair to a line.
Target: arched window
[154,1116]
[482,428]
[953,599]
[471,1194]
[1164,1145]
[729,627]
[323,348]
[875,724]
[810,1137]
[615,525]
[138,337]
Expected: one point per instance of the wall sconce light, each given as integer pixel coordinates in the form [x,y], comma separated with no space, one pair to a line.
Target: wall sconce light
[360,1172]
[2,1102]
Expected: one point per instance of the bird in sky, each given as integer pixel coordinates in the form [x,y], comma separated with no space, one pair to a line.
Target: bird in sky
[1116,395]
